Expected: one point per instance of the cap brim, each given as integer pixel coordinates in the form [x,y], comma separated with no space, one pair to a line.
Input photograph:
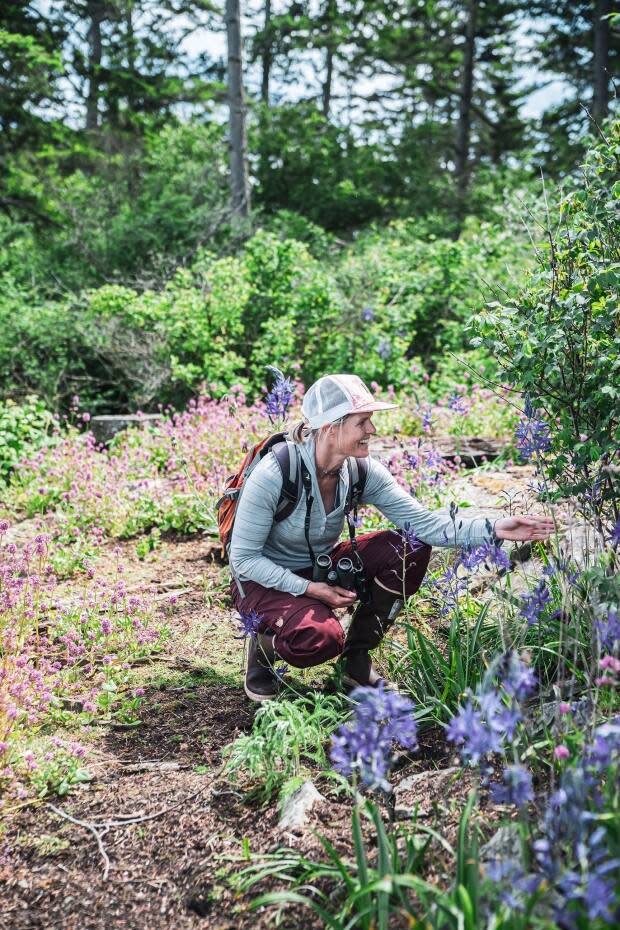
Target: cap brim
[376,405]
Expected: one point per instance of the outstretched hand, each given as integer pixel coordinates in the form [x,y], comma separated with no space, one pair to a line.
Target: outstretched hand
[524,529]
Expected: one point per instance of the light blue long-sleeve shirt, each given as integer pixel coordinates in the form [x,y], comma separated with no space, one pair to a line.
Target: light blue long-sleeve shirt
[269,553]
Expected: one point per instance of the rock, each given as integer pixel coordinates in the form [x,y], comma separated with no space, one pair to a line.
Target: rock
[420,782]
[413,781]
[297,806]
[504,844]
[105,428]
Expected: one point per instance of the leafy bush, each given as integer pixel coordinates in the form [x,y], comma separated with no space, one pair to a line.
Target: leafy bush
[23,428]
[558,339]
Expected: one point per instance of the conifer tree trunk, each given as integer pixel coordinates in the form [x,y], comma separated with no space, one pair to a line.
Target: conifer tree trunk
[95,14]
[464,119]
[331,12]
[266,54]
[239,181]
[600,102]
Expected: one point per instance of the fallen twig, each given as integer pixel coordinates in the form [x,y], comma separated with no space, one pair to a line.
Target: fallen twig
[93,830]
[99,830]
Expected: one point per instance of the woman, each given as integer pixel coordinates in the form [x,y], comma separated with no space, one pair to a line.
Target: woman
[271,562]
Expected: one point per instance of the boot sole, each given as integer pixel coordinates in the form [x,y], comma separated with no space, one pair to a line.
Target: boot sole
[256,696]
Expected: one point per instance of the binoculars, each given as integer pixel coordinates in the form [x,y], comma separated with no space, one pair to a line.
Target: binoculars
[345,574]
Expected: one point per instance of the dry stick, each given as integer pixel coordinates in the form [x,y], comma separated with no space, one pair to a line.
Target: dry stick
[127,820]
[93,830]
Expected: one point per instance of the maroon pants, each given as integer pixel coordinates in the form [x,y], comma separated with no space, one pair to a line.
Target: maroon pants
[306,630]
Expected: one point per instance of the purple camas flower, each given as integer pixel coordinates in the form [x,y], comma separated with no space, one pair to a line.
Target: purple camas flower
[411,459]
[280,397]
[487,721]
[458,404]
[384,349]
[608,632]
[517,678]
[249,623]
[363,747]
[516,787]
[533,434]
[605,747]
[409,537]
[615,535]
[487,554]
[534,603]
[367,314]
[472,735]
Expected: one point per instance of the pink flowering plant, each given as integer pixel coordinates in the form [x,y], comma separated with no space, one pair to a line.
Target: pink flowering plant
[168,477]
[62,662]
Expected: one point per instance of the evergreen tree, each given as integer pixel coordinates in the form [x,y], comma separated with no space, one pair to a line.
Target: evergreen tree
[576,41]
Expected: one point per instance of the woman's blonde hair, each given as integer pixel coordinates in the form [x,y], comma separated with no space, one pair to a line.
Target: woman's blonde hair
[299,432]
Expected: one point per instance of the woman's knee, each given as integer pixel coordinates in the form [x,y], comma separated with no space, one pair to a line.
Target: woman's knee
[310,639]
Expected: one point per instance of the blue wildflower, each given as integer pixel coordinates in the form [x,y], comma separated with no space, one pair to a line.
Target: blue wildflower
[516,787]
[367,314]
[433,459]
[364,746]
[615,535]
[562,566]
[411,460]
[518,679]
[409,536]
[534,603]
[605,746]
[249,623]
[487,554]
[533,434]
[458,404]
[279,397]
[471,733]
[449,587]
[384,349]
[608,632]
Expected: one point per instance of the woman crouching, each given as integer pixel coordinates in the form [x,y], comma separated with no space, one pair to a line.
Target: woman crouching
[273,560]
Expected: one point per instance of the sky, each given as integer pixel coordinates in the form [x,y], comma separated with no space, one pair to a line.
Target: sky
[553,91]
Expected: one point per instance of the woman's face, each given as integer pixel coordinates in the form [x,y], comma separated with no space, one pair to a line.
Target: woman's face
[351,437]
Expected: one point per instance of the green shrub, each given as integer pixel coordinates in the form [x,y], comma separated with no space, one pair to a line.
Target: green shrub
[394,297]
[558,339]
[23,428]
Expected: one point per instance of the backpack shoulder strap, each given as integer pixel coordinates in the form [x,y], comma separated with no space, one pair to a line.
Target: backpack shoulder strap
[358,472]
[288,459]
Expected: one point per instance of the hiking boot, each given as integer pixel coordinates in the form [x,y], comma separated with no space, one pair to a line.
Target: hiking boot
[369,625]
[261,683]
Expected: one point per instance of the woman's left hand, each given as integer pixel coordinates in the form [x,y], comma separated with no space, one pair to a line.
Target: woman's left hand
[524,529]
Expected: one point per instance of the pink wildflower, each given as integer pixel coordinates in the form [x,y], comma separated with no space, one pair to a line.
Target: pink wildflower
[561,751]
[610,663]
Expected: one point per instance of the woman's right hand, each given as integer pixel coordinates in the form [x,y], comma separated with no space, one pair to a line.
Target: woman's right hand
[331,595]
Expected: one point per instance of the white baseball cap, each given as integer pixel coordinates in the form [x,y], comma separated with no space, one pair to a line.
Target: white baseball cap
[335,396]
